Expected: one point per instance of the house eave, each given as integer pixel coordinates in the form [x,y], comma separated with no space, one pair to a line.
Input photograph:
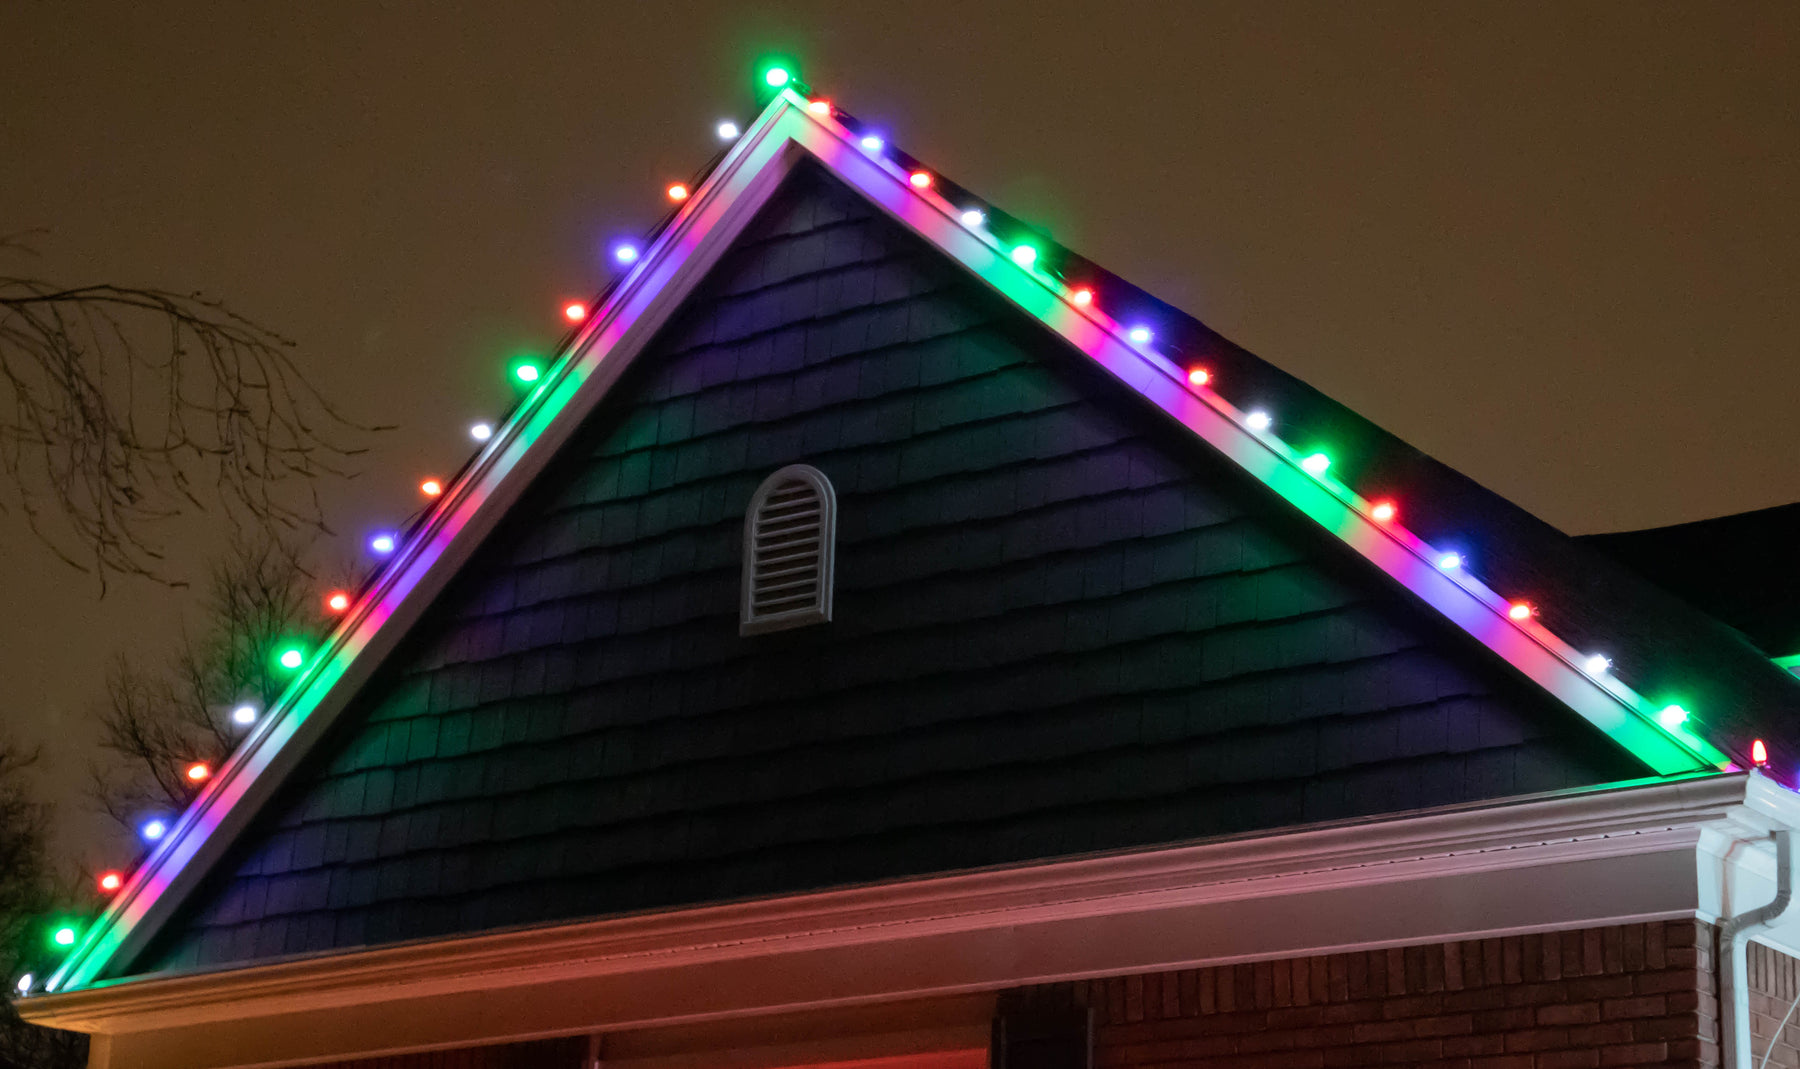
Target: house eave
[1629,853]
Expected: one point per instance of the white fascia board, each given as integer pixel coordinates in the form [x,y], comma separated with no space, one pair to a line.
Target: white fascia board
[1570,860]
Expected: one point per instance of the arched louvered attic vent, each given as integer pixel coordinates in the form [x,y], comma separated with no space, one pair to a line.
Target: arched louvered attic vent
[790,533]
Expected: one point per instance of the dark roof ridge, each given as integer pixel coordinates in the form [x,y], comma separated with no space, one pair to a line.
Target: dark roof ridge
[1734,567]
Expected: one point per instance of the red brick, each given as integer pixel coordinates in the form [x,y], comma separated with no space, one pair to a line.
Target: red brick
[1453,966]
[1414,1006]
[1569,1013]
[1593,961]
[1683,1027]
[1486,998]
[1503,1020]
[1512,959]
[1601,987]
[1384,1031]
[1537,1039]
[1550,956]
[1600,1035]
[1632,946]
[1634,1054]
[1647,1006]
[1652,983]
[1433,960]
[1469,1045]
[1521,1002]
[1540,994]
[1356,971]
[1339,976]
[1350,1012]
[1336,1035]
[1349,1057]
[1493,963]
[1409,1053]
[1695,1049]
[1286,1059]
[1571,954]
[1267,1040]
[1453,1025]
[1569,1059]
[1396,971]
[1612,949]
[1472,970]
[1297,1017]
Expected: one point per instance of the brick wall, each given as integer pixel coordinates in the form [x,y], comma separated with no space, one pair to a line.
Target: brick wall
[1774,984]
[1637,994]
[566,1053]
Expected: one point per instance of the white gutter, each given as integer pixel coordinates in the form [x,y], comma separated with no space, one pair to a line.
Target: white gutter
[1734,944]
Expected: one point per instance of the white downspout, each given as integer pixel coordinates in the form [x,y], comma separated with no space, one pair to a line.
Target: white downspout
[1734,944]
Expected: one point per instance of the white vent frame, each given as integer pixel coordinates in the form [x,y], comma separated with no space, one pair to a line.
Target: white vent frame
[754,617]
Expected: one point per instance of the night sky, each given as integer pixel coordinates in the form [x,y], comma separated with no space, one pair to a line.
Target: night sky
[1559,249]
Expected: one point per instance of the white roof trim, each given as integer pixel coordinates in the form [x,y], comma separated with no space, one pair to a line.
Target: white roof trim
[1648,851]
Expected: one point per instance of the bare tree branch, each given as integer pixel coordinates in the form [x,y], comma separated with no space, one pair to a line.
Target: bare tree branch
[28,896]
[158,719]
[121,407]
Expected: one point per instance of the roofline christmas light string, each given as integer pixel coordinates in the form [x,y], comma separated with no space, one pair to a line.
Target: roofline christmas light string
[1024,251]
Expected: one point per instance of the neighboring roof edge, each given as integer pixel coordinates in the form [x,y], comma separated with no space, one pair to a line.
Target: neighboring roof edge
[1734,568]
[598,353]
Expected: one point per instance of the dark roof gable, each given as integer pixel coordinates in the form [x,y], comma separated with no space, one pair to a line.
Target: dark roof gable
[1075,539]
[1062,626]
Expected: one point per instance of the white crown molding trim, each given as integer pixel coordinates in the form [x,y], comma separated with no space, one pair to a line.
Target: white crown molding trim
[1541,863]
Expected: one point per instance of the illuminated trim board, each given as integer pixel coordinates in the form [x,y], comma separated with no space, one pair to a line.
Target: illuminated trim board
[614,334]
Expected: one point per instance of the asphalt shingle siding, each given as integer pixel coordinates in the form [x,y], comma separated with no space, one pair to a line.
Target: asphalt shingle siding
[1061,626]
